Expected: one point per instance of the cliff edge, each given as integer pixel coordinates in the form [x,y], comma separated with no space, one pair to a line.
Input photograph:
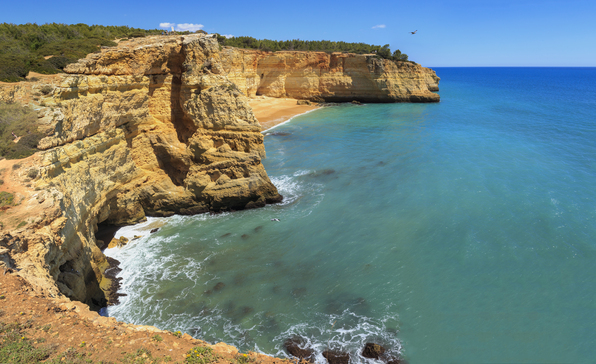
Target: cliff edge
[331,77]
[159,126]
[146,128]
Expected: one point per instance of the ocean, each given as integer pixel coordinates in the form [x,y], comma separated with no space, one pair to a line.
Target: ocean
[457,232]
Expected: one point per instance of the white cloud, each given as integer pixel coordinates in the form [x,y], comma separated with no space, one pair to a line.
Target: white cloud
[182,27]
[380,26]
[228,35]
[189,26]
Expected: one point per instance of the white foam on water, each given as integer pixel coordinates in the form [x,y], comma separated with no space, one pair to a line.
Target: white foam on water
[287,121]
[143,261]
[302,172]
[348,333]
[288,187]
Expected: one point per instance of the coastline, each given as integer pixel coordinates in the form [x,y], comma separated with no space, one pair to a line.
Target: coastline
[271,112]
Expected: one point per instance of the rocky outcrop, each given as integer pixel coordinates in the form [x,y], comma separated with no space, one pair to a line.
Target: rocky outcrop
[337,77]
[147,128]
[160,126]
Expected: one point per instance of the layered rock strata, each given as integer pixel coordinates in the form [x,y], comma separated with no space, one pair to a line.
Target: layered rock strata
[160,126]
[336,77]
[147,128]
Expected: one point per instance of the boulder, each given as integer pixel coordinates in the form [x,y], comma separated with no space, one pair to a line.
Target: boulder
[373,351]
[336,357]
[297,347]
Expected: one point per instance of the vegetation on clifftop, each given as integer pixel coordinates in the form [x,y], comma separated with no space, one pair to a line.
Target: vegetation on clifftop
[19,120]
[312,45]
[48,48]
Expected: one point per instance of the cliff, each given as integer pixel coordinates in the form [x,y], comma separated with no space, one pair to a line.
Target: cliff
[335,77]
[146,128]
[160,126]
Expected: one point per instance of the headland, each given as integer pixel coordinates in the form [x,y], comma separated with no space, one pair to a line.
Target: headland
[160,126]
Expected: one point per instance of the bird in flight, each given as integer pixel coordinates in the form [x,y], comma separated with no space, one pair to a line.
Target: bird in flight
[414,32]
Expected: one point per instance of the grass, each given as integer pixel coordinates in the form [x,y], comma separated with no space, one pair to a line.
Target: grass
[18,344]
[6,199]
[200,355]
[20,120]
[17,348]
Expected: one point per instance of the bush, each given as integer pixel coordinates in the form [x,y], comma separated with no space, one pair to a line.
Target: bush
[23,47]
[22,122]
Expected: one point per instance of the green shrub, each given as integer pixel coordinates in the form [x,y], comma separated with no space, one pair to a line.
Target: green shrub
[17,348]
[6,199]
[21,121]
[200,355]
[23,47]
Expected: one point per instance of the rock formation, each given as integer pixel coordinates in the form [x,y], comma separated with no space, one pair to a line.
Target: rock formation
[336,77]
[147,128]
[160,126]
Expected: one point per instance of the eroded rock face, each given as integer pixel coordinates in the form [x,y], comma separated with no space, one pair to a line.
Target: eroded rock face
[160,126]
[146,128]
[337,77]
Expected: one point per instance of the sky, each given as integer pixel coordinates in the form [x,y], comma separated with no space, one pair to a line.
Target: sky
[450,33]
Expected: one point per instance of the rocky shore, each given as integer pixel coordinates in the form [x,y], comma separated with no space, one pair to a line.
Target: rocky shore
[154,127]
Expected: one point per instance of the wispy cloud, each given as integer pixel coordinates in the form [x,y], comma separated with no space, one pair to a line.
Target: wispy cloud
[228,35]
[380,26]
[189,26]
[182,27]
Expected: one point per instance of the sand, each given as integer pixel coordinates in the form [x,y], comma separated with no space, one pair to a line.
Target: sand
[272,111]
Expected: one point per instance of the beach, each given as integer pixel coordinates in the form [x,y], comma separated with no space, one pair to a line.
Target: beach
[273,111]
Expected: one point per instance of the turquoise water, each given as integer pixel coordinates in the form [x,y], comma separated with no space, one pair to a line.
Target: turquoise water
[458,232]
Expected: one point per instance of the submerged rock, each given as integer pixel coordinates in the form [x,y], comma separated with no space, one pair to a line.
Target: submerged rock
[154,231]
[322,172]
[219,286]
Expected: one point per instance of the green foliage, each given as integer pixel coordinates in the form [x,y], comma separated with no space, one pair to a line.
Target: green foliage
[141,356]
[200,355]
[6,199]
[20,225]
[16,347]
[310,45]
[244,359]
[21,121]
[24,46]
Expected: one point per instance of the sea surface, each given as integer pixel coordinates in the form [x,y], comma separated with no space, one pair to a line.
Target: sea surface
[457,232]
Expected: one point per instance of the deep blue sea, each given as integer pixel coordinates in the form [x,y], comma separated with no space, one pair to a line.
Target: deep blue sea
[457,232]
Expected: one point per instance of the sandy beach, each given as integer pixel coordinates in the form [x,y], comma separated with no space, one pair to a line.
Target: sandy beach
[272,111]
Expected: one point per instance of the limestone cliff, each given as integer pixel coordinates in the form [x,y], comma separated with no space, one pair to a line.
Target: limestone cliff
[147,128]
[336,77]
[160,126]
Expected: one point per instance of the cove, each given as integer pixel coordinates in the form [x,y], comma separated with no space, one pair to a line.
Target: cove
[459,231]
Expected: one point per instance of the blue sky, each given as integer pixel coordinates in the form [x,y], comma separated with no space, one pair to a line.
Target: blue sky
[450,32]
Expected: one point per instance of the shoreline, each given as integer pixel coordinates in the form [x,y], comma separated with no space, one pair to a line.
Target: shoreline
[271,111]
